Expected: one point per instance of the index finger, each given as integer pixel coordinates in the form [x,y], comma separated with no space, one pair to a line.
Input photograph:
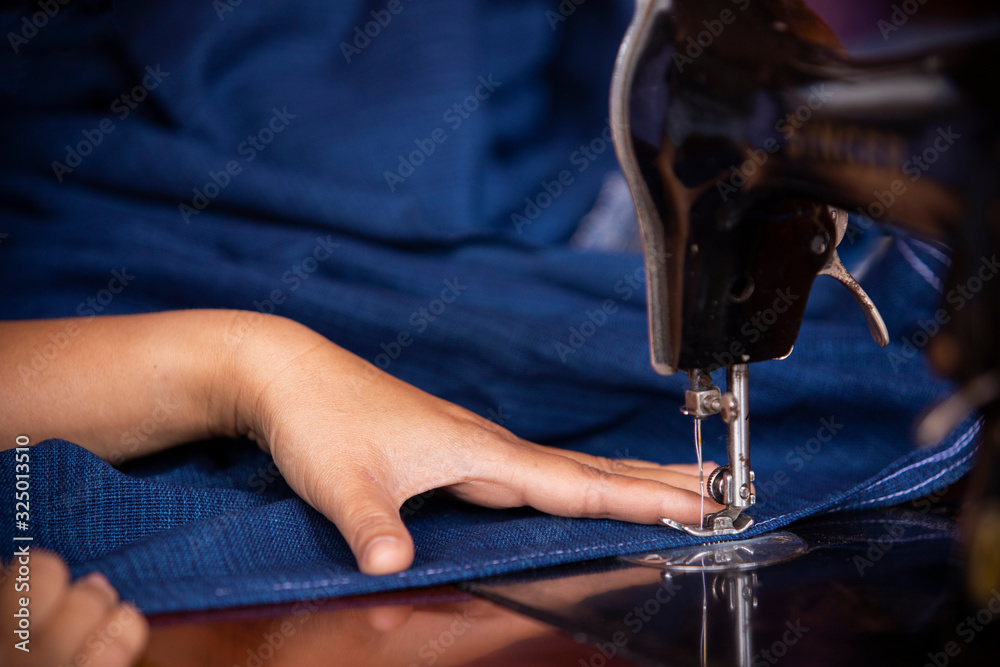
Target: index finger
[559,485]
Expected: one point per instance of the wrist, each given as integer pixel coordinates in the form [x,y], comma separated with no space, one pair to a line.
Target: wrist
[255,352]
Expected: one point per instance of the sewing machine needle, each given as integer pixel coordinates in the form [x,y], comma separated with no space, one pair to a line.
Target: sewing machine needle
[701,466]
[704,620]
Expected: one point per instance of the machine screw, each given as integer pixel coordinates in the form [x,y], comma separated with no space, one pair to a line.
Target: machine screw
[718,485]
[727,407]
[819,244]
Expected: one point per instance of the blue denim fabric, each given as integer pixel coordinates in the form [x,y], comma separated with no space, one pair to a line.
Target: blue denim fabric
[209,526]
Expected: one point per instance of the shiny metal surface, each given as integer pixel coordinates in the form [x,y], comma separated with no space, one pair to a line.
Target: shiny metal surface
[729,485]
[662,267]
[765,118]
[747,554]
[741,496]
[875,588]
[743,143]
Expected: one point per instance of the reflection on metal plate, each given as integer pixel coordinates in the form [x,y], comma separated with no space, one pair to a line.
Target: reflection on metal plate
[735,555]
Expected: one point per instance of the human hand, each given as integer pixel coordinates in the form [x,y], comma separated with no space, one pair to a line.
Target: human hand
[355,443]
[352,441]
[79,623]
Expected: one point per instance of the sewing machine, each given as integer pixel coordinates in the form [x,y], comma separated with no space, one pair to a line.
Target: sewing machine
[745,134]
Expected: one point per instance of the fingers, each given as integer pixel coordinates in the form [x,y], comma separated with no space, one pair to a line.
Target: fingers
[78,623]
[45,599]
[368,518]
[680,476]
[119,640]
[89,599]
[559,485]
[692,468]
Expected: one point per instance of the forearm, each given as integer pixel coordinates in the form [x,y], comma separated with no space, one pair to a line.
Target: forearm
[119,386]
[351,440]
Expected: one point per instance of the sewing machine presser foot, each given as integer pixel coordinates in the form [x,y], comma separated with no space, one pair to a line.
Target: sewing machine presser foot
[730,521]
[728,485]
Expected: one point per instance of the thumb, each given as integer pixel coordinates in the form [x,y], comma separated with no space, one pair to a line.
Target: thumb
[368,518]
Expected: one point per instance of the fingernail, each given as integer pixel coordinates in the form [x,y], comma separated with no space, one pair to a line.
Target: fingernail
[379,553]
[99,580]
[130,611]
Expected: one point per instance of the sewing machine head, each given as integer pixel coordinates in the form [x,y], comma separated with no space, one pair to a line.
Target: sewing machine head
[745,132]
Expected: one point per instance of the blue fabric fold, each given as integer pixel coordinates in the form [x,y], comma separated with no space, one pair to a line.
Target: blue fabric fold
[311,228]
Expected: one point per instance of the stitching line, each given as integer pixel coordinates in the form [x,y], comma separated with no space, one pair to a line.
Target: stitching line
[922,269]
[961,442]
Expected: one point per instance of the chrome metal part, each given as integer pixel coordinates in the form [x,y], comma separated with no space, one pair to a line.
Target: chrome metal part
[745,554]
[736,589]
[730,521]
[735,582]
[702,403]
[718,485]
[664,265]
[835,269]
[728,407]
[741,496]
[728,485]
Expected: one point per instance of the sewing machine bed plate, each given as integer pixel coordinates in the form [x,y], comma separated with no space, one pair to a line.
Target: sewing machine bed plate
[878,587]
[881,587]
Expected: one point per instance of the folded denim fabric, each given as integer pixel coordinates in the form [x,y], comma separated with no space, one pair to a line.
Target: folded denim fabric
[274,159]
